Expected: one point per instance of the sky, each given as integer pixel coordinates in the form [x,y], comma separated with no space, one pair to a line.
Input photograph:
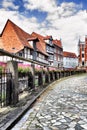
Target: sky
[63,19]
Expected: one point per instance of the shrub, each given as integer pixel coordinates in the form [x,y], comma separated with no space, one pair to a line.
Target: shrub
[23,71]
[1,69]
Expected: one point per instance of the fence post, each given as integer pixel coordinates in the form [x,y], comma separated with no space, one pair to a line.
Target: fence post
[48,74]
[42,75]
[9,91]
[53,75]
[12,66]
[30,80]
[33,74]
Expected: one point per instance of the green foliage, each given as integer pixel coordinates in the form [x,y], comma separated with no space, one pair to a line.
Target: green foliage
[1,68]
[23,70]
[37,71]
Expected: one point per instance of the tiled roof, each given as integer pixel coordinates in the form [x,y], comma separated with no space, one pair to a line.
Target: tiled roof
[1,45]
[69,54]
[57,43]
[40,37]
[14,37]
[41,45]
[47,37]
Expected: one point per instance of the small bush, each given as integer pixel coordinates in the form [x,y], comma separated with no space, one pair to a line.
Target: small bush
[1,69]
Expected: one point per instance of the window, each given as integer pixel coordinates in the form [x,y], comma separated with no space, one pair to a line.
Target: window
[51,49]
[55,57]
[55,50]
[82,47]
[20,53]
[82,55]
[83,63]
[58,65]
[31,52]
[51,57]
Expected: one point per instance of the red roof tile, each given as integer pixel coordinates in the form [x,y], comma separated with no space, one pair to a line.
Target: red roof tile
[69,54]
[41,45]
[14,37]
[38,35]
[1,43]
[57,43]
[47,37]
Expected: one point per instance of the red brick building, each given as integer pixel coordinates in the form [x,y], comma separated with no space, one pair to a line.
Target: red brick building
[82,52]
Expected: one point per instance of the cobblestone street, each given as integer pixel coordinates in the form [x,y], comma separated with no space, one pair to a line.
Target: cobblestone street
[62,107]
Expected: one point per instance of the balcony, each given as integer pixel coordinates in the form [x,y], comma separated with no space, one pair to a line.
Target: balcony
[42,60]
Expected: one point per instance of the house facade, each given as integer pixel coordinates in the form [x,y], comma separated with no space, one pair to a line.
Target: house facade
[46,46]
[58,54]
[33,46]
[50,49]
[70,60]
[14,40]
[53,48]
[82,52]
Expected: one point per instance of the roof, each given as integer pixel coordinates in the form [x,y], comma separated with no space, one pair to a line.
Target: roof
[47,37]
[69,54]
[57,43]
[40,37]
[41,45]
[14,37]
[1,45]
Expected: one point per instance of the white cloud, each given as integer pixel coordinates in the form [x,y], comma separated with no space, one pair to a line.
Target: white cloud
[44,5]
[64,21]
[68,9]
[69,29]
[27,24]
[6,4]
[68,23]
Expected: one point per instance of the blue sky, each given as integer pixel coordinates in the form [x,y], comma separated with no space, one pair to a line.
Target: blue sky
[65,19]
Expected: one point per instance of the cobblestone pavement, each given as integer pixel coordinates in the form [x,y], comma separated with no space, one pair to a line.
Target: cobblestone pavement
[62,107]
